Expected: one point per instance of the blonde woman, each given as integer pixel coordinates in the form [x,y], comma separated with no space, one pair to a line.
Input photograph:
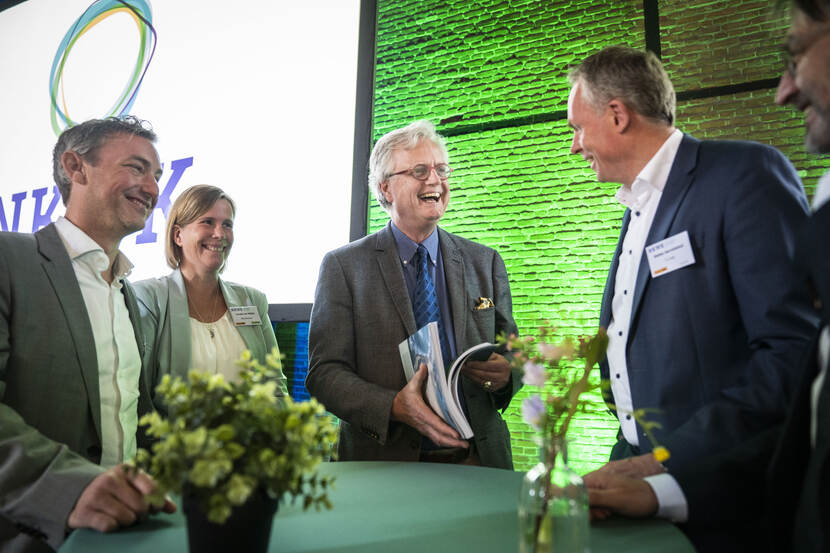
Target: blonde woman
[191,318]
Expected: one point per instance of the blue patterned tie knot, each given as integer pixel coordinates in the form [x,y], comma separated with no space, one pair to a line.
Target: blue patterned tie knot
[425,304]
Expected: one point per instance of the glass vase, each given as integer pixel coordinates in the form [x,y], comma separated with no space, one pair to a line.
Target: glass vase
[553,505]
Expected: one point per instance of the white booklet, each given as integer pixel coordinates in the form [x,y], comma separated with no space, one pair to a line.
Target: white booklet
[442,391]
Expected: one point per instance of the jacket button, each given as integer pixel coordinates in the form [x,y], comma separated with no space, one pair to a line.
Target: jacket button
[93,452]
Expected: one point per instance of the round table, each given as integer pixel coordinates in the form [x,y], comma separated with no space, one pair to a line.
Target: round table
[387,507]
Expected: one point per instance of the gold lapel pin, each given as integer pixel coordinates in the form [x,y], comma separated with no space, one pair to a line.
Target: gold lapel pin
[484,303]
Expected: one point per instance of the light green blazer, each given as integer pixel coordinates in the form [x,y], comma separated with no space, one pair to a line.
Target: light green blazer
[162,304]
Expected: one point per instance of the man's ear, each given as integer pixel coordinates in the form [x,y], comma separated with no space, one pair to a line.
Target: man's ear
[73,166]
[384,189]
[621,115]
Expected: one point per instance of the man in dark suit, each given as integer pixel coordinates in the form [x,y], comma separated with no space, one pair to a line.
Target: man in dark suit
[698,301]
[363,308]
[71,386]
[726,490]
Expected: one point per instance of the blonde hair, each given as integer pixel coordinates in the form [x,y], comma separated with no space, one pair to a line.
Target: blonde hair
[190,204]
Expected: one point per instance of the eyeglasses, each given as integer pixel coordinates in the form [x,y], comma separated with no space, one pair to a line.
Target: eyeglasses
[791,55]
[422,171]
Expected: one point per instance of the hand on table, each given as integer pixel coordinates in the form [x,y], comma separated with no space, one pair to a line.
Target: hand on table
[410,408]
[608,492]
[496,371]
[634,467]
[115,498]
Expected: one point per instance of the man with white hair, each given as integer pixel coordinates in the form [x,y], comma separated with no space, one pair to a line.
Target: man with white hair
[370,297]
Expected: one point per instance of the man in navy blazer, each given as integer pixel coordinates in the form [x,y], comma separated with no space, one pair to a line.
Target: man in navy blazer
[700,300]
[782,469]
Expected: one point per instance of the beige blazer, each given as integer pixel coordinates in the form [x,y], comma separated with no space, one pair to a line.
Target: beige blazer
[162,304]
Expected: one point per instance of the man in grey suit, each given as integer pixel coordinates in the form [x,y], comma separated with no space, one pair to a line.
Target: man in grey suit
[363,308]
[71,385]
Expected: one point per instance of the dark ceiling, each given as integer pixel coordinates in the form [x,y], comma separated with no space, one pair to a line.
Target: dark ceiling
[9,3]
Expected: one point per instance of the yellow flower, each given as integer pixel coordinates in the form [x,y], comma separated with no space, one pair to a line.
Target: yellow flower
[661,454]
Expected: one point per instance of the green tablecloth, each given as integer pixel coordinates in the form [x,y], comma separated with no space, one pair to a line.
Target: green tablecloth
[397,508]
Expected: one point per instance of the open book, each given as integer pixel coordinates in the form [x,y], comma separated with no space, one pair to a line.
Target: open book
[442,388]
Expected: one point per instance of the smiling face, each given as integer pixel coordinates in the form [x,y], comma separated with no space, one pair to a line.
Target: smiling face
[206,241]
[113,196]
[595,136]
[416,206]
[807,88]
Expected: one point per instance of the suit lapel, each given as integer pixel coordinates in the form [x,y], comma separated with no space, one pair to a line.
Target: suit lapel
[456,287]
[252,335]
[145,404]
[389,264]
[58,268]
[608,293]
[179,317]
[677,185]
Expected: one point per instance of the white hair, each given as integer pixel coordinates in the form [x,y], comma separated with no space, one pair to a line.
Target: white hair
[405,138]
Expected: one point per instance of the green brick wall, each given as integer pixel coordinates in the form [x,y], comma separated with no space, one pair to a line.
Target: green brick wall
[481,71]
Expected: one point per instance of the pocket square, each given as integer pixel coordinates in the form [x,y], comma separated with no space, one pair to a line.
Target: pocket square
[484,303]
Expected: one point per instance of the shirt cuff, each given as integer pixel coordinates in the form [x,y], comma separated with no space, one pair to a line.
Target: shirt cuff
[671,502]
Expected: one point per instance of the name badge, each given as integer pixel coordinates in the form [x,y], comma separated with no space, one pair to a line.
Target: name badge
[245,315]
[670,254]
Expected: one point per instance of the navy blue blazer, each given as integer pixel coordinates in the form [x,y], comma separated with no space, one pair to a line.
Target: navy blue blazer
[730,325]
[798,480]
[773,470]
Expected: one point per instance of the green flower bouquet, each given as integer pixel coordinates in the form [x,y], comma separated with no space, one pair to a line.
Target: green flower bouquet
[223,441]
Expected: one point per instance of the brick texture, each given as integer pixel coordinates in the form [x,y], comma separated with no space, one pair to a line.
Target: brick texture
[466,65]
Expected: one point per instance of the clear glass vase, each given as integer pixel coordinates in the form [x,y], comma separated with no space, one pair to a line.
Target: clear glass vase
[553,505]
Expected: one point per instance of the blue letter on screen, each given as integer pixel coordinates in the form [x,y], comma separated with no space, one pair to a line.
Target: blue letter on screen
[42,219]
[17,199]
[178,166]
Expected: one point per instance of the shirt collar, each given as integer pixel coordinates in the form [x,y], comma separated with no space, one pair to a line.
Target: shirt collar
[653,176]
[78,244]
[822,191]
[407,246]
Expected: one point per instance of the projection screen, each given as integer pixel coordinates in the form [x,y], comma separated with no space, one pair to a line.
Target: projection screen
[255,97]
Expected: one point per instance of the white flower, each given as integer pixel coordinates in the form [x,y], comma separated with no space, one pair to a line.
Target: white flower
[551,352]
[533,411]
[534,374]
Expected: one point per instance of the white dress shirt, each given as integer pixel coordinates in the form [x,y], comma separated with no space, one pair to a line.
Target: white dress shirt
[821,196]
[642,198]
[818,383]
[822,191]
[215,347]
[119,363]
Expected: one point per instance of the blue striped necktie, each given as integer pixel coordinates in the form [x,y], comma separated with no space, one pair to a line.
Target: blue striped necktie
[425,303]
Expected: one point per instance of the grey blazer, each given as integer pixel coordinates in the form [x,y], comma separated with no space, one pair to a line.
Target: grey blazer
[50,414]
[162,303]
[362,312]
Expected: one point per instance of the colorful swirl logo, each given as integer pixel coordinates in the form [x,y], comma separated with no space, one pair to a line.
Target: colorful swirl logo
[140,11]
